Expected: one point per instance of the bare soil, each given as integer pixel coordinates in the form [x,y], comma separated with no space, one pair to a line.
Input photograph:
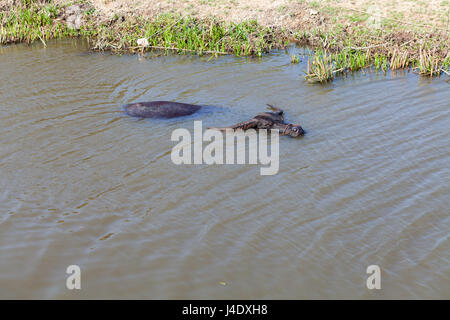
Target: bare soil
[291,14]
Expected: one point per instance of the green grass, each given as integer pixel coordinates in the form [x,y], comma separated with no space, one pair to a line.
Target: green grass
[428,65]
[323,66]
[379,49]
[380,62]
[30,22]
[320,68]
[187,34]
[295,59]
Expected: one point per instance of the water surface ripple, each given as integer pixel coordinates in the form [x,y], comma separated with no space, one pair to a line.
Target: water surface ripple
[81,183]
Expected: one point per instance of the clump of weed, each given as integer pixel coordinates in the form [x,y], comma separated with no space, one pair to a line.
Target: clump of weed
[399,60]
[320,68]
[351,60]
[295,59]
[380,62]
[427,64]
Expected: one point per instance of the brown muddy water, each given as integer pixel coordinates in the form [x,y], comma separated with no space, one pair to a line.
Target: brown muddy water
[82,183]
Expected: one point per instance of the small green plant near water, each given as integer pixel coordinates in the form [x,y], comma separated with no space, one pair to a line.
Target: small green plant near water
[352,60]
[446,64]
[427,65]
[380,62]
[324,66]
[295,59]
[399,60]
[320,68]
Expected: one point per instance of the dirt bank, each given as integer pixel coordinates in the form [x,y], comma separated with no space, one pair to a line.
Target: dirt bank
[292,14]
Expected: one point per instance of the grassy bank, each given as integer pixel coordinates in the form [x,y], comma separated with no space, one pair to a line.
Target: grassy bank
[342,51]
[29,21]
[186,34]
[337,50]
[324,66]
